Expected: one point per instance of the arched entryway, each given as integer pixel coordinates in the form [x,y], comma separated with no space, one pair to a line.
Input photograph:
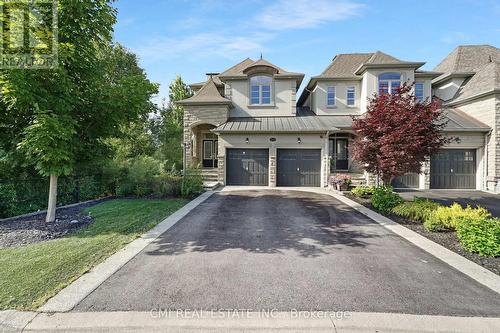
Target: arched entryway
[205,146]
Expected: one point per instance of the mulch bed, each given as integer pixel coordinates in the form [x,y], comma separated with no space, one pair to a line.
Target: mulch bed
[447,239]
[33,229]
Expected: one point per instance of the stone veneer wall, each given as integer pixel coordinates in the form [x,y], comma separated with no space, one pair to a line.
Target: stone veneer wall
[206,114]
[272,170]
[487,110]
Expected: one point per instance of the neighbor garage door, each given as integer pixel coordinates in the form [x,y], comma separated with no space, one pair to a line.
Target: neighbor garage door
[454,169]
[247,166]
[299,167]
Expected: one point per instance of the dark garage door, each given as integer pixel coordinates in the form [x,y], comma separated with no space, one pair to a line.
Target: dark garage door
[299,167]
[247,166]
[454,169]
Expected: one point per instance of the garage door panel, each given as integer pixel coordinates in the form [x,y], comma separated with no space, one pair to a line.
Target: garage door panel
[454,169]
[299,167]
[247,167]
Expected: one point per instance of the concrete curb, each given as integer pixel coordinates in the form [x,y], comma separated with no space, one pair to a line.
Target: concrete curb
[469,268]
[73,294]
[15,321]
[266,321]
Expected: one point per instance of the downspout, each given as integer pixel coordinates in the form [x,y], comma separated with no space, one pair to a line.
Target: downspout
[327,166]
[184,148]
[486,157]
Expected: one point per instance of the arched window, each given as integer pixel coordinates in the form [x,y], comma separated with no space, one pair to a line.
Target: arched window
[388,83]
[260,90]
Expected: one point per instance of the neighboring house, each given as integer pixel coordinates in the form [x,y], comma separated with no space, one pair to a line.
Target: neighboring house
[245,126]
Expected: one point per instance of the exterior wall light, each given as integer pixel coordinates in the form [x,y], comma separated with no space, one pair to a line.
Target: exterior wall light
[299,141]
[247,141]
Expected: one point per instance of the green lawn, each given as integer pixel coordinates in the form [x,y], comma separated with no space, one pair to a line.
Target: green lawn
[30,275]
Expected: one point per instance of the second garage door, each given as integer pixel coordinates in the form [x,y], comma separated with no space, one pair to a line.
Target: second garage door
[247,167]
[299,167]
[454,169]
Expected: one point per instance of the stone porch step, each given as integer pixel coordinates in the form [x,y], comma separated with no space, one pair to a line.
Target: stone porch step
[210,185]
[210,175]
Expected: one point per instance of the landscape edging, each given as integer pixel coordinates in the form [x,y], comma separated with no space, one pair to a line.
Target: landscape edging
[41,212]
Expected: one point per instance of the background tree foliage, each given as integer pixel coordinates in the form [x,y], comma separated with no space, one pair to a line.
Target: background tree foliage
[58,118]
[168,126]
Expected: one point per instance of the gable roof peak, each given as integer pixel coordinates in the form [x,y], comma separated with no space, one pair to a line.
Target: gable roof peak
[208,93]
[380,57]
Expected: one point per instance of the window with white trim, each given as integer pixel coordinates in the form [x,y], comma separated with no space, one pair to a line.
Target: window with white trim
[330,96]
[260,90]
[419,91]
[351,96]
[388,83]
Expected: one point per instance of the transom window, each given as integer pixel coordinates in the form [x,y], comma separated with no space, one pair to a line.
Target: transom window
[331,96]
[351,96]
[419,91]
[388,83]
[260,90]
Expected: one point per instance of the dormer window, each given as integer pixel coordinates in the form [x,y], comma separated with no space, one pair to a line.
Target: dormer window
[388,83]
[260,90]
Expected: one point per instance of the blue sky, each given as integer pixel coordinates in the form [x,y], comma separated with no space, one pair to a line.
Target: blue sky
[190,38]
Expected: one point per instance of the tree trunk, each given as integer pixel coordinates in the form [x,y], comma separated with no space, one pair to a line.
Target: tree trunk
[51,209]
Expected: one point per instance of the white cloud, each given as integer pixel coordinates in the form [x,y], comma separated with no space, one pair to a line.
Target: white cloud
[298,14]
[202,45]
[455,38]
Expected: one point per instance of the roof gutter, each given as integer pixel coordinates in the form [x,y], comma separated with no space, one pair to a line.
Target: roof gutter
[447,76]
[364,67]
[196,103]
[473,97]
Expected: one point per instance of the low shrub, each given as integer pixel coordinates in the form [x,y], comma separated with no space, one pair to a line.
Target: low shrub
[384,199]
[363,191]
[480,235]
[416,210]
[448,218]
[192,183]
[167,185]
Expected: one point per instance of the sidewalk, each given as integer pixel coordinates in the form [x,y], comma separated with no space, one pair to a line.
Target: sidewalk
[268,321]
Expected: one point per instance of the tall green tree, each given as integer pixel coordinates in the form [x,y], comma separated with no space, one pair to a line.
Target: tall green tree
[57,118]
[169,128]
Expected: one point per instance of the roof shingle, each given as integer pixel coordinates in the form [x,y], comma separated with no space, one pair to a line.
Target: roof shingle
[468,58]
[208,93]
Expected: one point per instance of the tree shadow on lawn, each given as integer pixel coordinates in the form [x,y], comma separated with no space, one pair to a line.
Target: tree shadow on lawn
[123,216]
[269,222]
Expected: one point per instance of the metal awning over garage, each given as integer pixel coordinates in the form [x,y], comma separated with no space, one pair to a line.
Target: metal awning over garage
[456,121]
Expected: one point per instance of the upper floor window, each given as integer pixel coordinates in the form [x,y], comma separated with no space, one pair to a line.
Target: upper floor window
[351,96]
[330,96]
[388,83]
[260,90]
[419,91]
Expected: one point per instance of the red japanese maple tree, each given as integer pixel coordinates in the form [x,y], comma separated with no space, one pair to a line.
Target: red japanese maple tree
[397,133]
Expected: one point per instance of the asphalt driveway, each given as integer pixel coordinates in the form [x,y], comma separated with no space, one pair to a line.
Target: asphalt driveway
[285,250]
[487,200]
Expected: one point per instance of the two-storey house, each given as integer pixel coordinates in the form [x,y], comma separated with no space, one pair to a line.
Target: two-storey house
[247,125]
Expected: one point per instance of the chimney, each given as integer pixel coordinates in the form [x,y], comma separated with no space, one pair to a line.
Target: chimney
[209,75]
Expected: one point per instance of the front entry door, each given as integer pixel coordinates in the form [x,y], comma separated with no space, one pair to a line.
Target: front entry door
[339,153]
[210,153]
